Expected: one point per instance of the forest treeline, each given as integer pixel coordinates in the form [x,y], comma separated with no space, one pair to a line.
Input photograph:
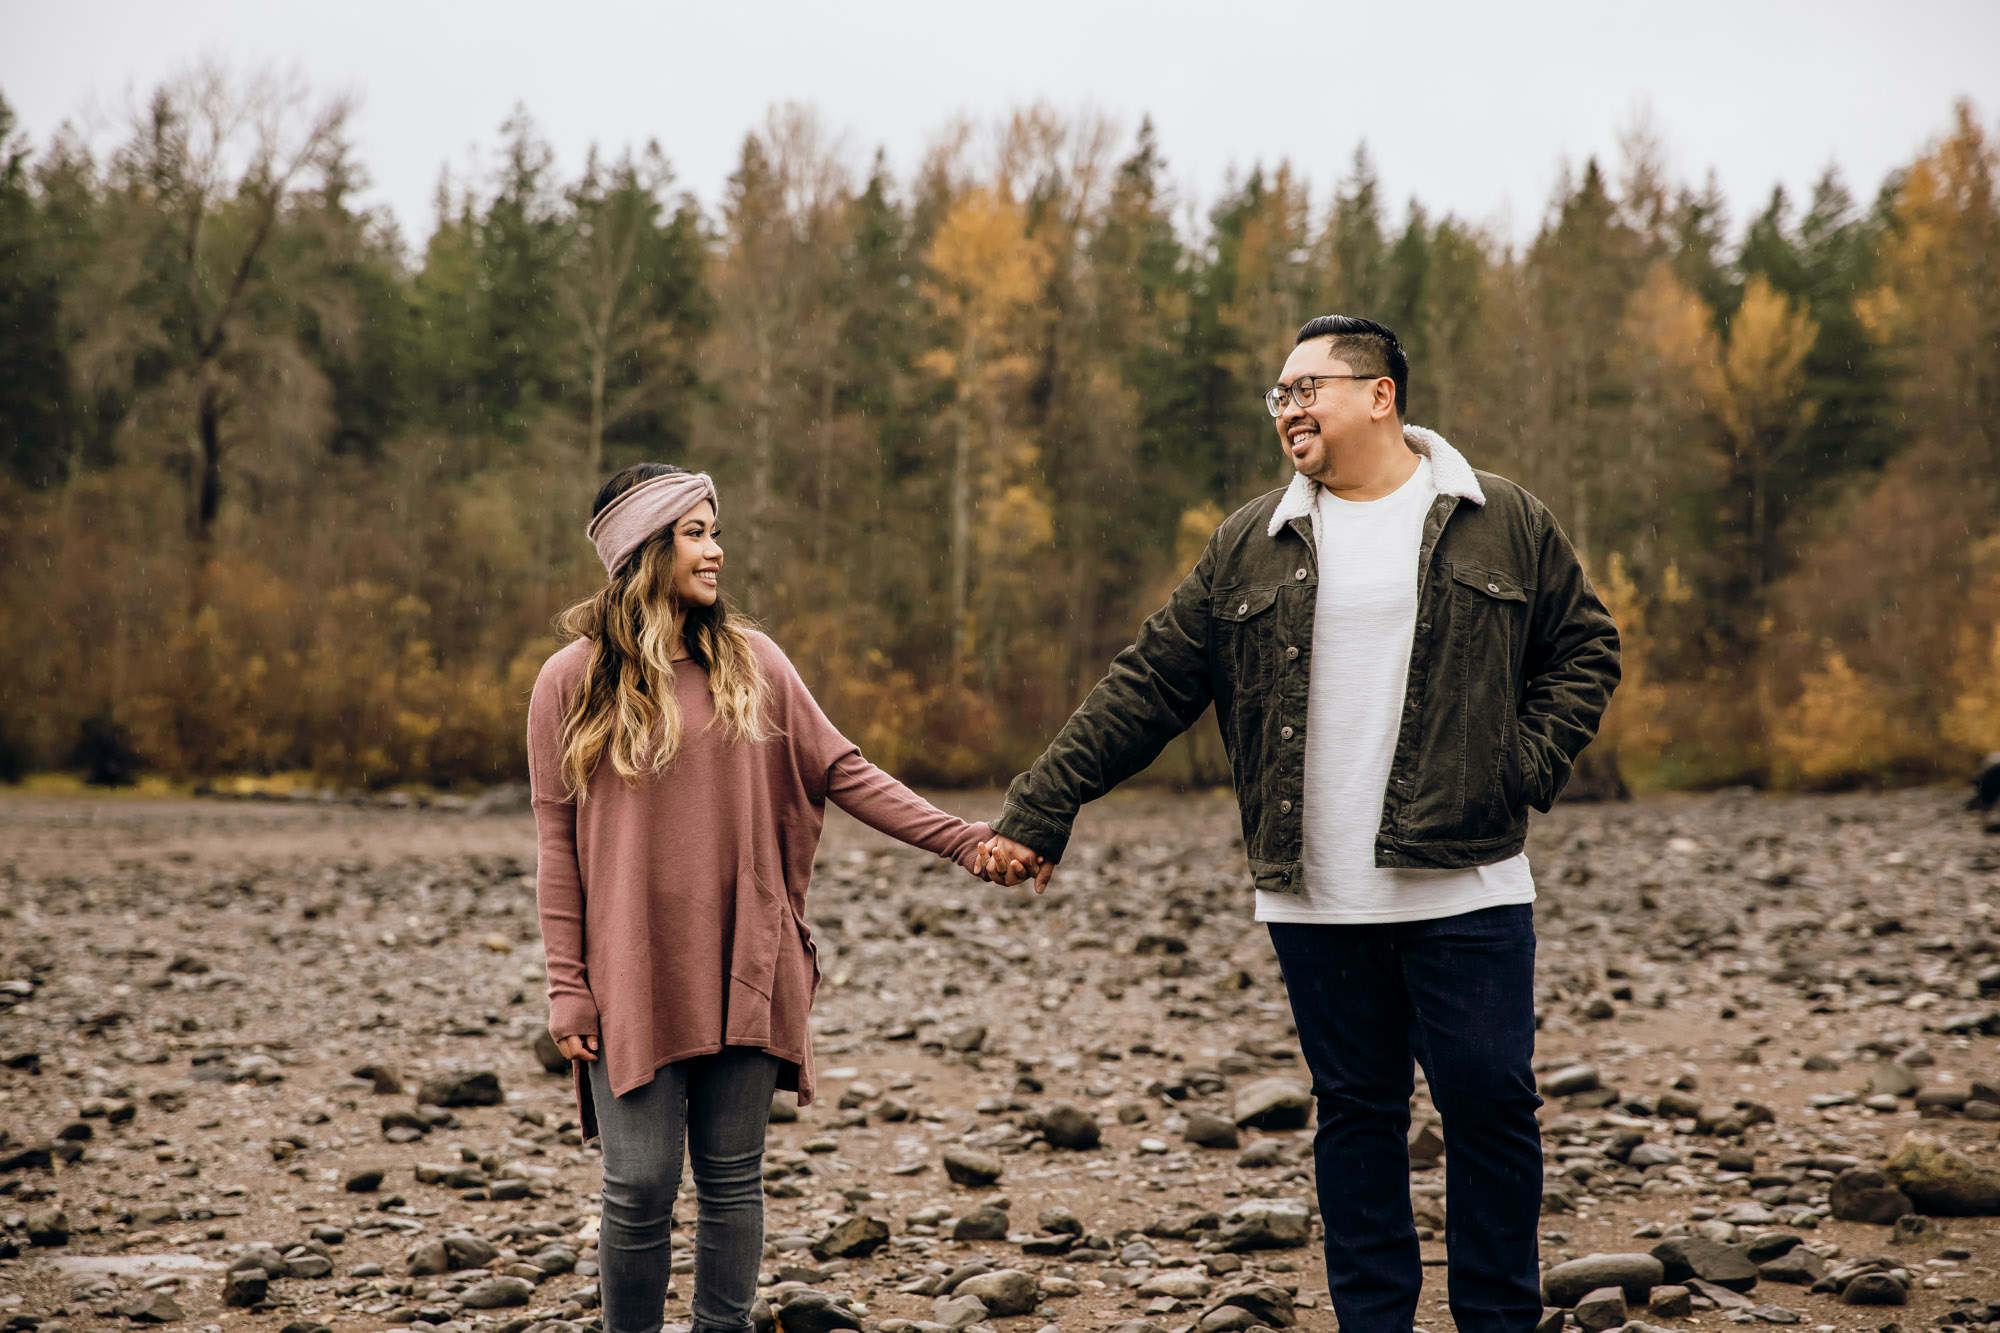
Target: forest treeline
[284,490]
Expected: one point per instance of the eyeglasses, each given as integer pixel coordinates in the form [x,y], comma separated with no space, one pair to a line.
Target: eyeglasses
[1302,391]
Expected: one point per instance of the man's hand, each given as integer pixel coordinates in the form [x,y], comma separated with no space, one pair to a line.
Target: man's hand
[582,1048]
[1006,862]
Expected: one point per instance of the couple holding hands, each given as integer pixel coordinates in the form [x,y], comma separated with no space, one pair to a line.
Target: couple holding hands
[1404,656]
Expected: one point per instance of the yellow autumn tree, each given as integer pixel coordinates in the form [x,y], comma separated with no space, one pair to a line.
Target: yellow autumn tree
[1840,728]
[986,280]
[1756,392]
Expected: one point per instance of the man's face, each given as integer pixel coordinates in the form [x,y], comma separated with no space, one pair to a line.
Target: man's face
[1342,409]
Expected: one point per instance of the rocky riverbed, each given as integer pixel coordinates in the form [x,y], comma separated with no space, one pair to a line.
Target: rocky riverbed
[274,1066]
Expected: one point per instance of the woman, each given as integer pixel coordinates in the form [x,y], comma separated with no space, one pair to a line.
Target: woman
[679,771]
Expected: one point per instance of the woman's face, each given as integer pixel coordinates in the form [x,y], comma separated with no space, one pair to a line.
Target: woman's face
[697,557]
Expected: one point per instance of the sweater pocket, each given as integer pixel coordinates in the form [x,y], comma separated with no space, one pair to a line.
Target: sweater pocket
[761,916]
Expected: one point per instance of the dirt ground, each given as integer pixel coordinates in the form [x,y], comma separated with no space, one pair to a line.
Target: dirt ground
[187,987]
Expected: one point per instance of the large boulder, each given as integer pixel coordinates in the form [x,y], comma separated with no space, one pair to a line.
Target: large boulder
[1634,1274]
[1941,1181]
[1274,1103]
[1864,1194]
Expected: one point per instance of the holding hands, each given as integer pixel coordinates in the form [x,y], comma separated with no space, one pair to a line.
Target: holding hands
[1007,863]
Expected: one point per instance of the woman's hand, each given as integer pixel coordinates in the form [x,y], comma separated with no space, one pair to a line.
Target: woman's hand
[1007,863]
[579,1048]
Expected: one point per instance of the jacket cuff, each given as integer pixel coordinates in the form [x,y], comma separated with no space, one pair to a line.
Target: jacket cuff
[572,1016]
[1032,831]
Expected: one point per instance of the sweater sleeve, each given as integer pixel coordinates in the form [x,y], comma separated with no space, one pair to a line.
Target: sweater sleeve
[558,874]
[859,787]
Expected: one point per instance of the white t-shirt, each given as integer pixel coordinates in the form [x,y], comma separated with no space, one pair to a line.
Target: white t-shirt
[1363,623]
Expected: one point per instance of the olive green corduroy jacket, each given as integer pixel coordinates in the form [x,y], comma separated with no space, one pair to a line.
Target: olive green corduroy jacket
[1512,664]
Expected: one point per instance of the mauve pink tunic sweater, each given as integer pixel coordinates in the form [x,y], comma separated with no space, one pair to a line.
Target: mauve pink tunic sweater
[673,912]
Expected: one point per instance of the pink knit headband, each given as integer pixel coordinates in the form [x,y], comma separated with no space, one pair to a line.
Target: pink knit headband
[649,508]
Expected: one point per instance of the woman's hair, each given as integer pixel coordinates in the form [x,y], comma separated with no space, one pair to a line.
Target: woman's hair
[625,707]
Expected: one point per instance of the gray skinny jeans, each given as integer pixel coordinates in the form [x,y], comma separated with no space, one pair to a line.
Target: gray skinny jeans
[717,1106]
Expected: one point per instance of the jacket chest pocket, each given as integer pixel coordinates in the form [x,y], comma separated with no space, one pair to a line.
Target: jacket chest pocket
[1245,622]
[1488,607]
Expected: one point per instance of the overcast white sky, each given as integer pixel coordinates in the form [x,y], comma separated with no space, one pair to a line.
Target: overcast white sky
[1473,108]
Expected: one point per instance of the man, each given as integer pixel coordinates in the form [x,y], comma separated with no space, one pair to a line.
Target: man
[1404,654]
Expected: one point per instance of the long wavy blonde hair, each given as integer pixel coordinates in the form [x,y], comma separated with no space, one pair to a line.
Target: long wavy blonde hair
[625,708]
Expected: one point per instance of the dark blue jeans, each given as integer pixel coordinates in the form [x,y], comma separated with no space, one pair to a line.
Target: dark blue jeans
[1457,995]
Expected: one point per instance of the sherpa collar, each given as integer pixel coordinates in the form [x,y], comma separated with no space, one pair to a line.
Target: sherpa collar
[1450,473]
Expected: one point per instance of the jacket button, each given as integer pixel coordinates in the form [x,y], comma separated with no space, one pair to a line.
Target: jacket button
[1243,609]
[1291,652]
[1284,807]
[1493,587]
[1302,573]
[1286,732]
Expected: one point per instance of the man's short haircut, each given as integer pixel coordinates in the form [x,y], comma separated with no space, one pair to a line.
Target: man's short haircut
[1367,347]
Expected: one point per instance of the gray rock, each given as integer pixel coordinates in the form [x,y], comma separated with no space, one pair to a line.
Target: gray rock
[1672,1302]
[1269,1305]
[1426,1146]
[852,1239]
[1893,1078]
[497,1292]
[1005,1292]
[1265,1224]
[1570,1080]
[469,1251]
[1685,1257]
[1227,1319]
[386,1080]
[554,1259]
[49,1227]
[152,1307]
[966,1039]
[1067,1125]
[306,1264]
[1274,1103]
[1600,1310]
[1551,1320]
[245,1286]
[814,1312]
[472,1087]
[1264,1152]
[1059,1222]
[969,1168]
[1874,1289]
[958,1311]
[364,1181]
[1206,1130]
[1798,1266]
[1634,1274]
[263,1258]
[1865,1194]
[1652,1154]
[1941,1181]
[428,1260]
[543,1043]
[981,1224]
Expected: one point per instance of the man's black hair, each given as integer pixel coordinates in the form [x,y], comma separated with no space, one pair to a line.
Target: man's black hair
[1367,347]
